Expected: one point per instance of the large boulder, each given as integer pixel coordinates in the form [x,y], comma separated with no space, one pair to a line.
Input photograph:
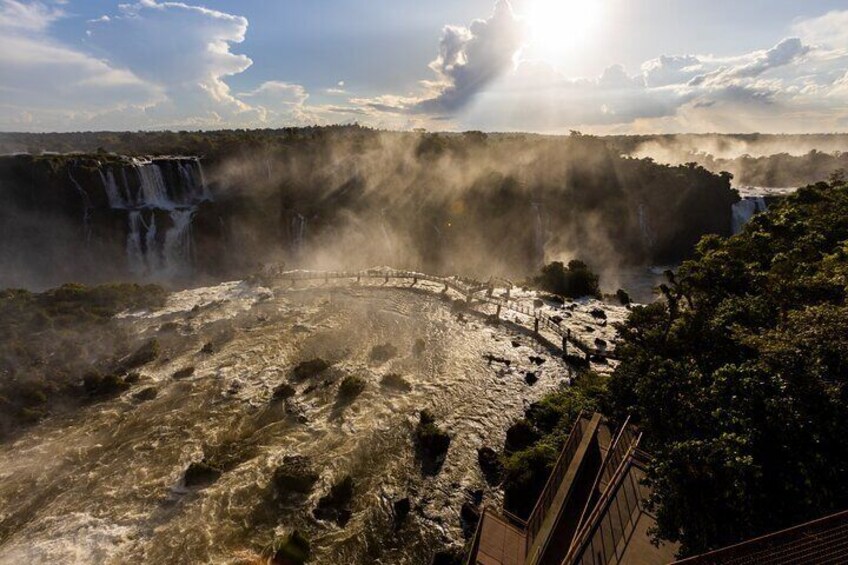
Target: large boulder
[295,475]
[431,443]
[490,465]
[335,506]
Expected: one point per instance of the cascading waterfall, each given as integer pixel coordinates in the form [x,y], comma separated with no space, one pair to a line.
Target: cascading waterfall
[745,209]
[297,229]
[539,232]
[645,226]
[150,188]
[87,207]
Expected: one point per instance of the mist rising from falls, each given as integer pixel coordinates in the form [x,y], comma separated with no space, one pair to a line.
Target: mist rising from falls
[745,209]
[169,188]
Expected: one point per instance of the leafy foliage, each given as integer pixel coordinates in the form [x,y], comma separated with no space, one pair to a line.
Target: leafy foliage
[574,281]
[64,342]
[546,425]
[738,378]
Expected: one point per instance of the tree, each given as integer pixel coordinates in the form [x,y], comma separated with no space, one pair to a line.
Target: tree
[739,378]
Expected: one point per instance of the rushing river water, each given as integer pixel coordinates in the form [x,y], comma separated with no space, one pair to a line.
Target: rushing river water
[104,485]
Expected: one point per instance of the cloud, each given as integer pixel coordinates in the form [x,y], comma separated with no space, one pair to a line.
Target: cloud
[469,60]
[45,84]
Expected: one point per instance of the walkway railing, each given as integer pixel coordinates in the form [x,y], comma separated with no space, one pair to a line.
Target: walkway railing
[467,287]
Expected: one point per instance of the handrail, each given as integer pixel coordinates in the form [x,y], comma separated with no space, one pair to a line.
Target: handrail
[543,503]
[581,538]
[465,286]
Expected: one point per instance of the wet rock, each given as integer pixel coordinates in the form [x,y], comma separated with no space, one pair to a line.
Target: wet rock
[143,355]
[200,474]
[469,516]
[147,393]
[283,391]
[601,343]
[96,384]
[537,303]
[132,378]
[431,444]
[400,509]
[516,343]
[396,382]
[490,465]
[208,348]
[311,368]
[452,556]
[496,359]
[492,320]
[598,314]
[351,387]
[530,378]
[183,373]
[418,347]
[382,353]
[293,549]
[537,360]
[556,319]
[296,474]
[334,507]
[520,435]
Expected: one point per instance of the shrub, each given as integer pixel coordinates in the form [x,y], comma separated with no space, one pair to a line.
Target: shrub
[574,281]
[351,387]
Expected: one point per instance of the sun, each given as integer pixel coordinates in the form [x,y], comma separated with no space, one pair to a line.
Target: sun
[558,27]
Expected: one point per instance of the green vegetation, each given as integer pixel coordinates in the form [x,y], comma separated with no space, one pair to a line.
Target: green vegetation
[574,281]
[351,387]
[431,443]
[738,378]
[64,344]
[307,369]
[533,443]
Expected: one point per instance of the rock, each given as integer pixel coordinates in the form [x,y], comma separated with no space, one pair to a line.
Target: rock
[490,465]
[537,303]
[296,475]
[143,355]
[530,378]
[311,368]
[208,348]
[469,516]
[401,509]
[600,343]
[183,373]
[598,313]
[395,381]
[283,391]
[335,505]
[147,393]
[556,319]
[132,377]
[293,549]
[351,387]
[516,343]
[520,435]
[96,384]
[537,360]
[453,556]
[418,347]
[200,474]
[431,444]
[382,353]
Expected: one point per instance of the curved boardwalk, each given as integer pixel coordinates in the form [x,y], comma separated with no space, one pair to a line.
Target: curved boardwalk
[476,293]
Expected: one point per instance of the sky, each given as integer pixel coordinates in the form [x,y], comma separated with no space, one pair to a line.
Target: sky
[547,66]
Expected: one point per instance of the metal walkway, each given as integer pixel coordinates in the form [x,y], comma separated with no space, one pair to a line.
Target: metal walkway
[474,292]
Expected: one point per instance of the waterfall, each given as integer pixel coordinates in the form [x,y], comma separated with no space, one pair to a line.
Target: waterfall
[645,226]
[744,210]
[87,207]
[113,193]
[175,187]
[297,231]
[539,233]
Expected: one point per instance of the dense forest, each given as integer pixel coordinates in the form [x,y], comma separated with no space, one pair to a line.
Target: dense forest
[737,377]
[466,203]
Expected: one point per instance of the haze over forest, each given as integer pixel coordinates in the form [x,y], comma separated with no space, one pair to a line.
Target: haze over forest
[493,282]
